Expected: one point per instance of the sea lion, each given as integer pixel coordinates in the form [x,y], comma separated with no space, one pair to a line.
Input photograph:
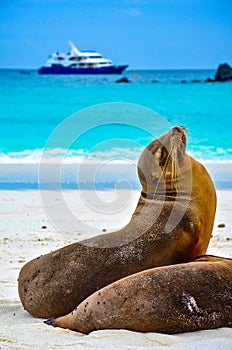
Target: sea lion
[170,299]
[171,224]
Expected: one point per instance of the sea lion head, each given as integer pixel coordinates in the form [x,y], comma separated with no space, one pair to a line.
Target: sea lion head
[163,163]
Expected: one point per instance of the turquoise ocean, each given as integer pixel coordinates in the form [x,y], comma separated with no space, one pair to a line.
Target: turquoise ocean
[32,106]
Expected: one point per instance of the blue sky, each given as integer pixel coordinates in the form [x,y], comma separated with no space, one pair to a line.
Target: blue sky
[146,34]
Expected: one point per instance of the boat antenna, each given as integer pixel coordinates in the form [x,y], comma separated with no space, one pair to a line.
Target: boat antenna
[74,50]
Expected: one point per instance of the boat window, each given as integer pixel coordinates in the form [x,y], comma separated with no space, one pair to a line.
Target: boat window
[91,56]
[56,65]
[74,58]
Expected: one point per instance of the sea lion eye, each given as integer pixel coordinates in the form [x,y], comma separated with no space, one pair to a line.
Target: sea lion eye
[183,138]
[162,154]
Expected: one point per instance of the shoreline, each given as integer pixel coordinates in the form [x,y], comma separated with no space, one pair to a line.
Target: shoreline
[106,176]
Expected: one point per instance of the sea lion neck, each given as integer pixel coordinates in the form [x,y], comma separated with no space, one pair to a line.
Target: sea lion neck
[165,196]
[158,196]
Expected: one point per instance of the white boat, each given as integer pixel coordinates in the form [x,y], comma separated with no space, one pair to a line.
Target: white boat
[79,62]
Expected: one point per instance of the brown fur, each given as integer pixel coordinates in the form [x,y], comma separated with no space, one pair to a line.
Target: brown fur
[170,299]
[53,284]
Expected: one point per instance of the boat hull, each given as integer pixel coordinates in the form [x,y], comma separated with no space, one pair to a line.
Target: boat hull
[69,70]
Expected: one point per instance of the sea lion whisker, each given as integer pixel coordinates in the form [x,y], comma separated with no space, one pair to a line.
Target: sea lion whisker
[175,166]
[164,168]
[186,130]
[175,143]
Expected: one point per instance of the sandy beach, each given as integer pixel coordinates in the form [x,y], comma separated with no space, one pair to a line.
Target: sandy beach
[26,232]
[85,87]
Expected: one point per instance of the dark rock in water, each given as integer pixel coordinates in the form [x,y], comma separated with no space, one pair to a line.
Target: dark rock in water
[221,225]
[155,81]
[209,80]
[196,81]
[183,81]
[223,73]
[123,80]
[24,72]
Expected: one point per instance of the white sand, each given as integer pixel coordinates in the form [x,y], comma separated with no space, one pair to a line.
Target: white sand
[22,238]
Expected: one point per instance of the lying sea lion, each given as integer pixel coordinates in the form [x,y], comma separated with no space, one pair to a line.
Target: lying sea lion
[171,224]
[169,299]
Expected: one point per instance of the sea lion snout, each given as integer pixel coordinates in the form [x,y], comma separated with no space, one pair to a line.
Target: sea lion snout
[163,162]
[178,133]
[177,129]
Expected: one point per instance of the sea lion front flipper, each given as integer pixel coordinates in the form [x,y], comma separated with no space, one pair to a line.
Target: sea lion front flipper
[50,321]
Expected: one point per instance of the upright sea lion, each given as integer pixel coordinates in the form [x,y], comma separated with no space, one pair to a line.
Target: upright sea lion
[169,299]
[171,224]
